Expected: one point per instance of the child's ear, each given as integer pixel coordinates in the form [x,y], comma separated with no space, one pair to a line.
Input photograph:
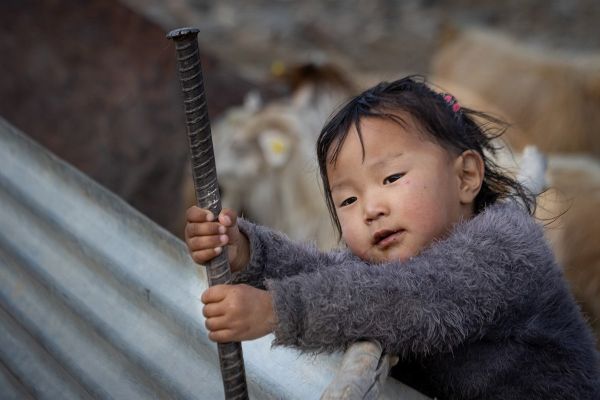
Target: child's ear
[470,169]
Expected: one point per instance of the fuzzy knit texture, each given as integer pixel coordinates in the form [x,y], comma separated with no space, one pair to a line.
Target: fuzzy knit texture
[482,314]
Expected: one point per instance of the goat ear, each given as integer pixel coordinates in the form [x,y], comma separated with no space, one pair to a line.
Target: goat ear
[253,101]
[276,147]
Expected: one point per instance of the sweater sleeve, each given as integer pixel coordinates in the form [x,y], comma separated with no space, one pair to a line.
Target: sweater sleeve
[449,293]
[274,256]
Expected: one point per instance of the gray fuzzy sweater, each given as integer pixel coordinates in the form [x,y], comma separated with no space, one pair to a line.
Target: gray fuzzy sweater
[483,314]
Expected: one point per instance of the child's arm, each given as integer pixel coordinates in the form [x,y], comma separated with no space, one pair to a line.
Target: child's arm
[274,256]
[453,291]
[250,247]
[233,312]
[242,312]
[432,303]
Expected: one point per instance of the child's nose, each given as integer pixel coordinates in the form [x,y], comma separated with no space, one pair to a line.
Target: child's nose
[375,209]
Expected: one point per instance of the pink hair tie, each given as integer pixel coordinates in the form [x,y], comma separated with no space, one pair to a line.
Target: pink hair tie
[452,102]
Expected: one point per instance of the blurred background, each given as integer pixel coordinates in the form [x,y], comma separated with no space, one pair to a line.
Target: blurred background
[95,82]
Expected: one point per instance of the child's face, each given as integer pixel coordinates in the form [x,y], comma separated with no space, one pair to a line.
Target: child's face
[405,194]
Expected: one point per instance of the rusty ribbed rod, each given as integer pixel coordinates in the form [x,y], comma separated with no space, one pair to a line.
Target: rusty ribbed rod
[207,189]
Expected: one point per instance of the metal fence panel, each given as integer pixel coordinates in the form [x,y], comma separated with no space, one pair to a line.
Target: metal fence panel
[97,301]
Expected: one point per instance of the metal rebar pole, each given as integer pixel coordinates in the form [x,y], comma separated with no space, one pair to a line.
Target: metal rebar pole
[207,188]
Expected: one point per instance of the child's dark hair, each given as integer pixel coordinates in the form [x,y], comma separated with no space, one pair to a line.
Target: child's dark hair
[440,116]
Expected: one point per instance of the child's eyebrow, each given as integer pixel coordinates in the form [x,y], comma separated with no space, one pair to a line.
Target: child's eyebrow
[338,185]
[383,161]
[375,165]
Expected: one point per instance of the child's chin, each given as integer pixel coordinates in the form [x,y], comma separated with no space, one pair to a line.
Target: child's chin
[390,256]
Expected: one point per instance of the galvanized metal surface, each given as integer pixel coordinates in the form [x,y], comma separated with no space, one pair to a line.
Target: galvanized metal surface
[97,301]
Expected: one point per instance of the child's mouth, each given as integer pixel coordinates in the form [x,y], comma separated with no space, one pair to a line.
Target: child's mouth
[386,237]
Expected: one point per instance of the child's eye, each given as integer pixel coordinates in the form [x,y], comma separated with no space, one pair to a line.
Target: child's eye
[348,201]
[392,178]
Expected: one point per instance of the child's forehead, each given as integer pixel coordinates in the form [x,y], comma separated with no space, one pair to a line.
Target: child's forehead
[380,131]
[396,123]
[382,144]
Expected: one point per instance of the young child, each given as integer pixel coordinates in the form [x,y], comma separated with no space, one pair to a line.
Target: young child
[443,263]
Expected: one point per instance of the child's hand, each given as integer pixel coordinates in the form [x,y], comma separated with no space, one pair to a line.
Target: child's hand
[206,237]
[237,312]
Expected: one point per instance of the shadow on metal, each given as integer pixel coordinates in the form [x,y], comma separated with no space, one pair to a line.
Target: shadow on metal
[97,301]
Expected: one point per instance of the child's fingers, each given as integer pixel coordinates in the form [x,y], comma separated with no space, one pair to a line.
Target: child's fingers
[197,214]
[197,243]
[212,310]
[193,229]
[228,217]
[222,336]
[204,256]
[204,237]
[216,323]
[214,294]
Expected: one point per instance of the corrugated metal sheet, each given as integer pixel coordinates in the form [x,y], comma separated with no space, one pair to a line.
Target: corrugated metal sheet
[97,301]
